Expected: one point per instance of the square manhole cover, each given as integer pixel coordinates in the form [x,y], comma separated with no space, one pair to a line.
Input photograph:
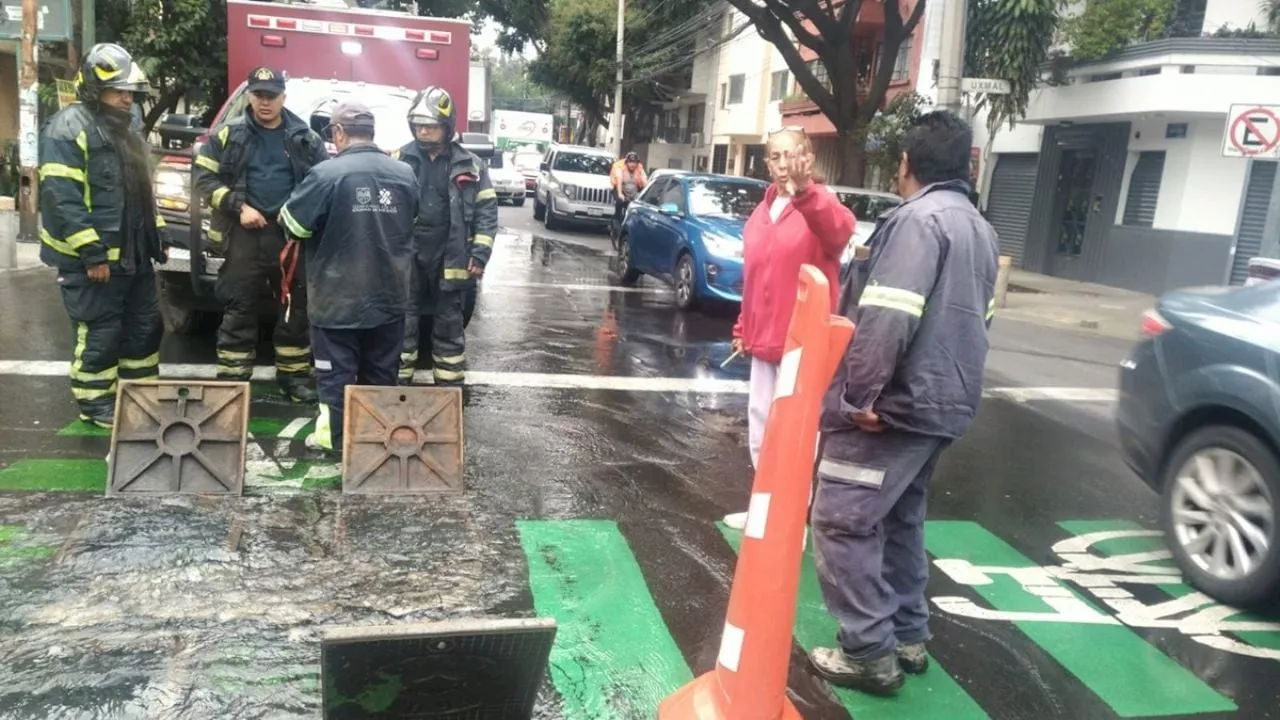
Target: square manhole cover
[402,440]
[179,437]
[457,669]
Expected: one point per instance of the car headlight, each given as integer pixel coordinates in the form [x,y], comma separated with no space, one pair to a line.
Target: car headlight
[722,245]
[171,184]
[569,191]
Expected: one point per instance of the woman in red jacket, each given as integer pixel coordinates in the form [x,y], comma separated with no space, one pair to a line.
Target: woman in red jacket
[800,221]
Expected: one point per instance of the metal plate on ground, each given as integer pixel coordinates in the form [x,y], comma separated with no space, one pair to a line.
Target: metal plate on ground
[401,440]
[457,669]
[179,437]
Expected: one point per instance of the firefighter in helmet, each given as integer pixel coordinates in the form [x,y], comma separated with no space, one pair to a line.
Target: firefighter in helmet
[457,219]
[100,229]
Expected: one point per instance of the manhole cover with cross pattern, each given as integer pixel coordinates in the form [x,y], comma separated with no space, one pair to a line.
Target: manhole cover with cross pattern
[457,669]
[179,437]
[402,440]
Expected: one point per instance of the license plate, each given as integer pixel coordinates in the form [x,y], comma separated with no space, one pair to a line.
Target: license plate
[595,211]
[177,253]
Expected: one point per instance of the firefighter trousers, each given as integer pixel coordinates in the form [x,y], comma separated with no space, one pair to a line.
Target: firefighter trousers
[868,529]
[351,357]
[117,330]
[445,310]
[249,287]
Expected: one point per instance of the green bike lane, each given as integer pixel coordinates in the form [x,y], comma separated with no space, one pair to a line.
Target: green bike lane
[608,530]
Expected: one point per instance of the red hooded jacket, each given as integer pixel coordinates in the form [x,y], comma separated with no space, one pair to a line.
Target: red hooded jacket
[814,228]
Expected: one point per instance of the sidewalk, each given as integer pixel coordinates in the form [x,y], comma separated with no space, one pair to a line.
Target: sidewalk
[28,257]
[1084,307]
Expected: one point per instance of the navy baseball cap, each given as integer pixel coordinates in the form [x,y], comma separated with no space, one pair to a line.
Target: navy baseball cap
[265,79]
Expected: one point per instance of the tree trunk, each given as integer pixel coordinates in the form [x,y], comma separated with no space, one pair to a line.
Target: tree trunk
[852,170]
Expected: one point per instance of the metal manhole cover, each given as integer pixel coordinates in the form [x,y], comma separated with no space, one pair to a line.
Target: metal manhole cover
[179,437]
[402,440]
[456,669]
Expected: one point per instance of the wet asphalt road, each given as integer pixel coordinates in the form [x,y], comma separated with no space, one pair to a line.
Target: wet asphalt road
[591,404]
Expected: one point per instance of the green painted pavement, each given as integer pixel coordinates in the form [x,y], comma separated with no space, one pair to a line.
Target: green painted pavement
[15,547]
[1118,546]
[1113,661]
[932,695]
[613,656]
[55,476]
[79,428]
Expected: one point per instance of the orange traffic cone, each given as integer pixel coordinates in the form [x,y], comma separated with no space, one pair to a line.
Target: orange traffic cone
[749,681]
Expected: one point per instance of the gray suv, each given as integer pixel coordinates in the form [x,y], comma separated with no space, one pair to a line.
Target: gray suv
[573,184]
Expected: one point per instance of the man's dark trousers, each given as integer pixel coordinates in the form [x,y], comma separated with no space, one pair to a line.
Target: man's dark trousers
[351,357]
[250,274]
[868,523]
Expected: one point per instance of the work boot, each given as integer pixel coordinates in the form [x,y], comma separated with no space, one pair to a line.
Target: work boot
[879,676]
[913,658]
[298,390]
[101,418]
[312,443]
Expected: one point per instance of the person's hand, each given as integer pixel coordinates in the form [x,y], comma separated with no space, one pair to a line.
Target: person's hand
[867,421]
[799,171]
[475,268]
[100,273]
[250,218]
[739,346]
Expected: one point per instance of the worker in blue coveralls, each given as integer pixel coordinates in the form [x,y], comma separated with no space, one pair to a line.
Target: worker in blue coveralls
[909,387]
[354,216]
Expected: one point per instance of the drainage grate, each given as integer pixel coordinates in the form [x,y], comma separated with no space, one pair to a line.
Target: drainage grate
[179,437]
[457,669]
[402,440]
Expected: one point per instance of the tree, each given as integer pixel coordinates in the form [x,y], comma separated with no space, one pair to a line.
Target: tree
[887,130]
[1270,14]
[1008,40]
[182,44]
[1106,26]
[826,28]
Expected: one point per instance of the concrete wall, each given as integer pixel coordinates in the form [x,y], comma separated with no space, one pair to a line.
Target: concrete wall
[749,55]
[1155,261]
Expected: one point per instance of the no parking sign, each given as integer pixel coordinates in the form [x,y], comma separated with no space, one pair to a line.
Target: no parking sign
[1253,131]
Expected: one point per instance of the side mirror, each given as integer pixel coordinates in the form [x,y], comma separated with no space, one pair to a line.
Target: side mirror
[480,150]
[669,209]
[544,166]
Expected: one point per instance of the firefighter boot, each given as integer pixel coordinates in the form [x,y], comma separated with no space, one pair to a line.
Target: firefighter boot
[913,658]
[877,676]
[297,389]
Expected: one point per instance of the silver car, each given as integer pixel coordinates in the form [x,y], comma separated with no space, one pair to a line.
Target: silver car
[573,184]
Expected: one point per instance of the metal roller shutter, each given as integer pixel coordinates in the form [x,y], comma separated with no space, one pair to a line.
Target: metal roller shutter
[1253,218]
[1144,190]
[1013,188]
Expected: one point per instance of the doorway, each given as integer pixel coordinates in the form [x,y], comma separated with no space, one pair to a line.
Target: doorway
[1076,202]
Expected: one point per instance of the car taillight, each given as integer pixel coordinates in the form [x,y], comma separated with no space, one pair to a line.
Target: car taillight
[1154,324]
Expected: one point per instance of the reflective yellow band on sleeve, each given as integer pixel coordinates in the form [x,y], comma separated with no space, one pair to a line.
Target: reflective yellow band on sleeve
[215,236]
[456,274]
[147,362]
[77,240]
[53,170]
[222,136]
[218,195]
[82,141]
[208,163]
[991,309]
[160,221]
[62,246]
[293,226]
[486,194]
[484,240]
[893,299]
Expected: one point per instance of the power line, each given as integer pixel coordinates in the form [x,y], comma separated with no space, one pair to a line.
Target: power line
[731,37]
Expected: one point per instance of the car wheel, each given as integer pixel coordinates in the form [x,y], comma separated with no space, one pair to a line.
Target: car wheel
[518,202]
[539,210]
[627,274]
[552,222]
[686,283]
[1221,487]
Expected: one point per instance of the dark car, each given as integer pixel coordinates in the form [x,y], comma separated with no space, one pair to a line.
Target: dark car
[1199,420]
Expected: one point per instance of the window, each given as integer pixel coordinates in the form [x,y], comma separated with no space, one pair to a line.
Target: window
[737,84]
[724,198]
[720,159]
[697,115]
[581,163]
[778,84]
[819,72]
[1174,131]
[1148,72]
[866,207]
[673,194]
[902,63]
[1144,189]
[654,191]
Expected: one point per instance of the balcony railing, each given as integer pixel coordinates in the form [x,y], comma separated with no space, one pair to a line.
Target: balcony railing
[674,135]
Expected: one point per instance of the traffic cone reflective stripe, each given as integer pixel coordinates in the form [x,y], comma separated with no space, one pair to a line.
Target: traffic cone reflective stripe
[749,681]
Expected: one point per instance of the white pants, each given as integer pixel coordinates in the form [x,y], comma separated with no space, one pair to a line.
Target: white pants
[764,379]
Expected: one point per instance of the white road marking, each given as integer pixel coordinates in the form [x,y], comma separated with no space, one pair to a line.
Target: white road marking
[294,427]
[709,385]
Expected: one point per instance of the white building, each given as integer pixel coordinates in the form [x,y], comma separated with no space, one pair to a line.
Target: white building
[1117,174]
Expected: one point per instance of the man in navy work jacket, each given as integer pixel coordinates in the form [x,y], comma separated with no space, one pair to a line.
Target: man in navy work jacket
[909,386]
[354,216]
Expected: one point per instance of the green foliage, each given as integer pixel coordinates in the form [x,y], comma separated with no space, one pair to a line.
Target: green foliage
[1106,26]
[578,60]
[888,129]
[1270,14]
[1009,40]
[182,44]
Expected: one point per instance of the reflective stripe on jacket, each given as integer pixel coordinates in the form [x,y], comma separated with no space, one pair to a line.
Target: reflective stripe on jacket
[922,303]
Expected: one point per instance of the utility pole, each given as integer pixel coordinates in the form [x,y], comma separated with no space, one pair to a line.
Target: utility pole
[951,55]
[616,124]
[28,123]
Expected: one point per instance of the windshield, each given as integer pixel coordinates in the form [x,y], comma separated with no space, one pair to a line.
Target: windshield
[723,198]
[582,163]
[390,109]
[868,207]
